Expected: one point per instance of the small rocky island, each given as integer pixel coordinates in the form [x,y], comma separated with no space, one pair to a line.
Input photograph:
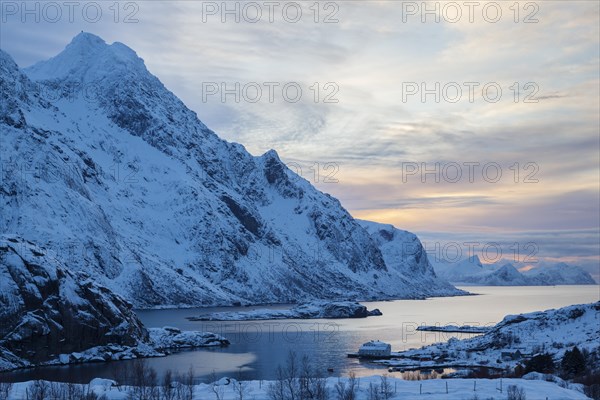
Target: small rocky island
[312,310]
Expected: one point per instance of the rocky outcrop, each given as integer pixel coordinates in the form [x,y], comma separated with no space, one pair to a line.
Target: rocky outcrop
[46,310]
[49,315]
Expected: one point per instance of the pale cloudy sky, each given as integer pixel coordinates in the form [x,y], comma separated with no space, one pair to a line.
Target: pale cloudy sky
[377,138]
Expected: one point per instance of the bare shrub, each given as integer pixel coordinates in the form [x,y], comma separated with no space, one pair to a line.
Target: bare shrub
[298,381]
[58,391]
[514,392]
[39,390]
[144,382]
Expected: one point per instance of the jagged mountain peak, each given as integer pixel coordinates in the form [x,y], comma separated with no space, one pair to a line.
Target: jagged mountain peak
[474,259]
[14,87]
[7,60]
[87,41]
[271,154]
[89,58]
[508,267]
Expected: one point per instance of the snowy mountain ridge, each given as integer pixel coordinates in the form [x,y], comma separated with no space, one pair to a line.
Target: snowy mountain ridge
[122,178]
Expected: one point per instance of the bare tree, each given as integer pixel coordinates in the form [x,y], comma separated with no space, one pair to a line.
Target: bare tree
[188,384]
[287,384]
[240,386]
[386,387]
[168,391]
[216,388]
[118,373]
[374,392]
[72,390]
[5,389]
[144,382]
[56,390]
[312,384]
[277,390]
[298,381]
[38,390]
[346,390]
[153,389]
[291,376]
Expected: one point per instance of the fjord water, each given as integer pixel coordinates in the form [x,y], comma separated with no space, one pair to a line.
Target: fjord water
[257,347]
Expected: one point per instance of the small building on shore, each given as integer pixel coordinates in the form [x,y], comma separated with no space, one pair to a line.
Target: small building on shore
[374,349]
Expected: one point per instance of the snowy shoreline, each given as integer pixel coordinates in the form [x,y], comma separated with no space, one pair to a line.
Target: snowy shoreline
[511,342]
[161,342]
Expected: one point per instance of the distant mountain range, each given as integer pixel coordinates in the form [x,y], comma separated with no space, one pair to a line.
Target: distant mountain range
[472,272]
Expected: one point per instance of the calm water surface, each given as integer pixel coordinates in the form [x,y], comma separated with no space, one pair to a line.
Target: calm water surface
[257,347]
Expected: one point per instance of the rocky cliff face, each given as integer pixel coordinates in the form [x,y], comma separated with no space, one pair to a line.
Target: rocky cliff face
[406,259]
[107,168]
[46,310]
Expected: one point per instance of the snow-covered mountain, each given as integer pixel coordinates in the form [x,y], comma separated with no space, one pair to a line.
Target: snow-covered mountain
[404,255]
[104,166]
[472,272]
[461,270]
[559,274]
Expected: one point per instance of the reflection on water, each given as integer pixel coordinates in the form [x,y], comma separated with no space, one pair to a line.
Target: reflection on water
[257,347]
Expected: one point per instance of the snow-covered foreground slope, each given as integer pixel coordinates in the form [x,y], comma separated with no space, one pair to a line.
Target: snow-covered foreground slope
[434,389]
[50,315]
[103,165]
[472,272]
[524,335]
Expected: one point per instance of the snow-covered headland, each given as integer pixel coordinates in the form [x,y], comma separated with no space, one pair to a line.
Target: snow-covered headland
[513,341]
[312,310]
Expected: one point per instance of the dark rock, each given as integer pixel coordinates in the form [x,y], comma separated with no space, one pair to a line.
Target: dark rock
[375,312]
[46,310]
